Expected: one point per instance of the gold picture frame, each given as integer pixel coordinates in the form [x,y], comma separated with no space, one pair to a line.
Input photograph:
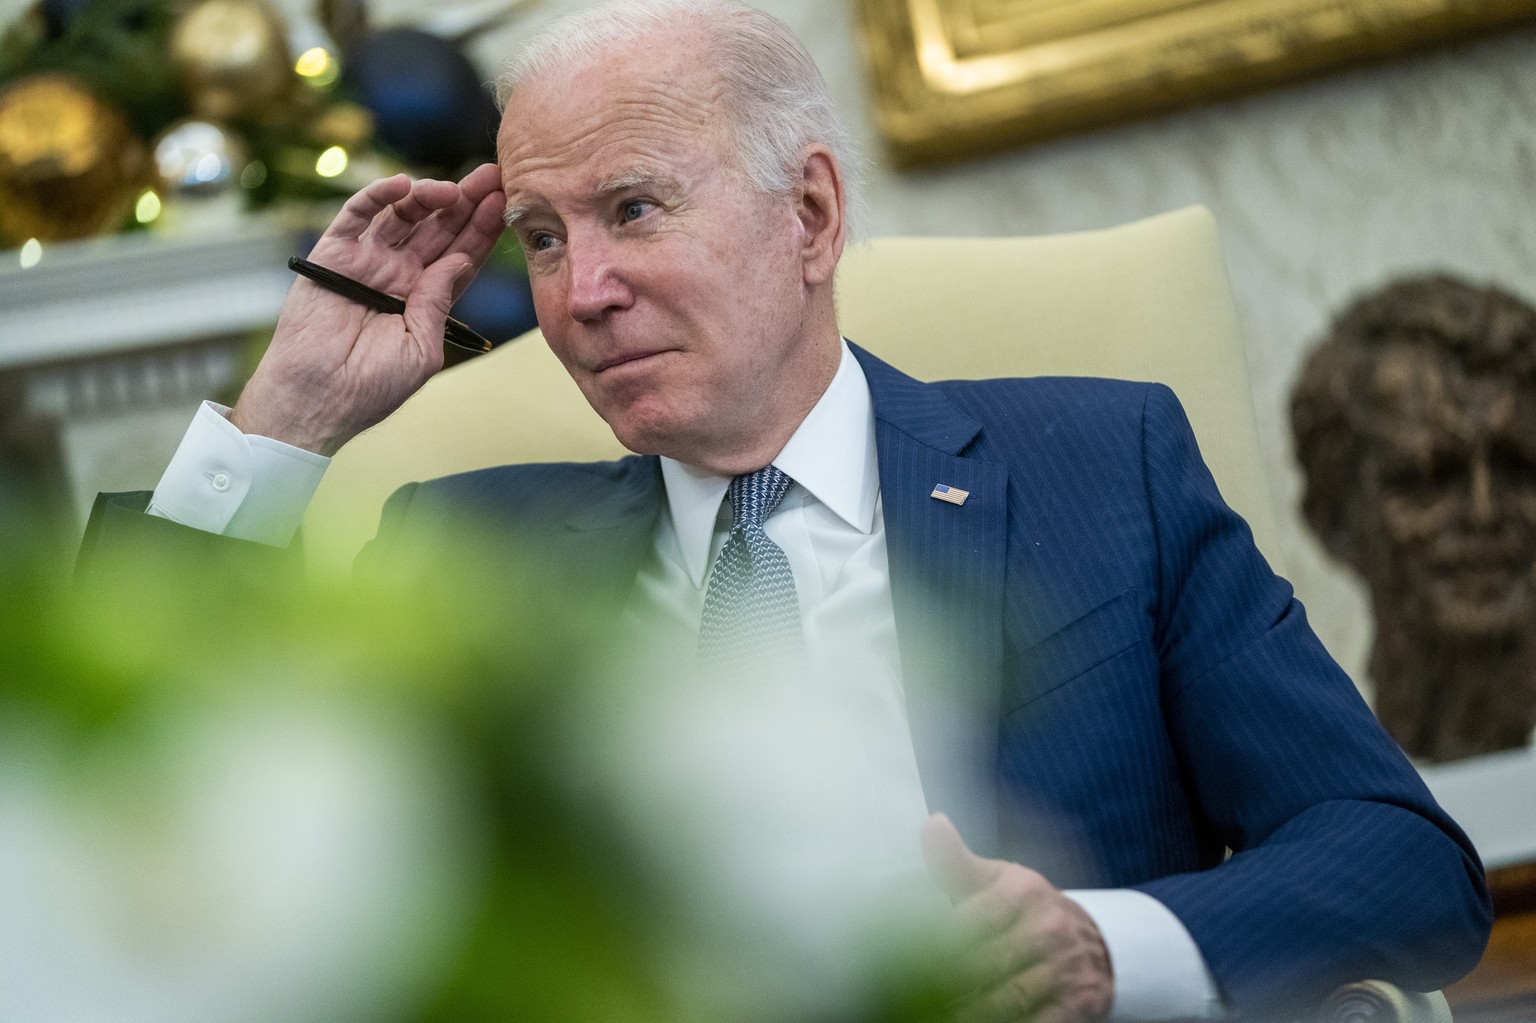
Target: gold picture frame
[955,77]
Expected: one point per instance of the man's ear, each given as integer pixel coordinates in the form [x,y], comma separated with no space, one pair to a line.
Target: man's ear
[821,206]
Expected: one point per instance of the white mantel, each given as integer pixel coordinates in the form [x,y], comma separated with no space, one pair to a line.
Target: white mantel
[106,346]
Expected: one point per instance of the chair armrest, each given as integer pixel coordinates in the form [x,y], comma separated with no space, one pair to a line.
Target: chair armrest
[1376,1001]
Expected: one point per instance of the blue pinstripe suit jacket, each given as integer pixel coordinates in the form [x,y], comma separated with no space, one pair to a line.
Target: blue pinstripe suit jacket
[1104,678]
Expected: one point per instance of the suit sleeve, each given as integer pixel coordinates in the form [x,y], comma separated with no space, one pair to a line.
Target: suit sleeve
[1342,866]
[123,541]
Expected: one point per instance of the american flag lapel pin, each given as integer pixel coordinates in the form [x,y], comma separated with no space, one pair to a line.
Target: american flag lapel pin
[945,492]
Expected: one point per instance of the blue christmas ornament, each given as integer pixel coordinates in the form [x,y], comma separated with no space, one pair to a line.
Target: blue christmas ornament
[428,101]
[498,303]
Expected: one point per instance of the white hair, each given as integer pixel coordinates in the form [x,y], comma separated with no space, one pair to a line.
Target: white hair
[774,99]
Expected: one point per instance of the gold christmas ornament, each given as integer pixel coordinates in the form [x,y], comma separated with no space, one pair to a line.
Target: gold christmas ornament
[233,58]
[70,166]
[198,159]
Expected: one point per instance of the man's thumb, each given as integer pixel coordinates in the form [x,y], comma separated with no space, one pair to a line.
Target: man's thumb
[957,871]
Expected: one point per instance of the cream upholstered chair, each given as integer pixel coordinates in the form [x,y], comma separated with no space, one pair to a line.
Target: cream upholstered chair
[1146,301]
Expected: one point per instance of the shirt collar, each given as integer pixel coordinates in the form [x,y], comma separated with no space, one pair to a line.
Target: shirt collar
[831,455]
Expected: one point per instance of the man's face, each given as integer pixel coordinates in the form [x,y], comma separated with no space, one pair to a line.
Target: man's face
[1453,480]
[670,289]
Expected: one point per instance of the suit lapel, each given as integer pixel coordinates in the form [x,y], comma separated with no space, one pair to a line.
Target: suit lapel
[947,577]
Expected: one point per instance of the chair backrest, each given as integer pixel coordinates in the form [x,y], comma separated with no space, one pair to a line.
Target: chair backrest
[1148,301]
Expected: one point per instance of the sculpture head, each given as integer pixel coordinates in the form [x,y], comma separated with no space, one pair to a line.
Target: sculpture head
[1415,423]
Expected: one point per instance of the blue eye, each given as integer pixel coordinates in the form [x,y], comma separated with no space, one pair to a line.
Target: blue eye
[540,242]
[634,209]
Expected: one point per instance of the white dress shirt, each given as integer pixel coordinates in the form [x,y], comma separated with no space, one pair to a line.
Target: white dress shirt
[237,484]
[831,528]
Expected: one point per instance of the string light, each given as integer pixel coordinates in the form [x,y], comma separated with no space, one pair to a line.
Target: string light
[147,208]
[317,67]
[331,162]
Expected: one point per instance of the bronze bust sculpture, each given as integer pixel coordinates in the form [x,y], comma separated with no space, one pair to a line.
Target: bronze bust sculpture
[1415,424]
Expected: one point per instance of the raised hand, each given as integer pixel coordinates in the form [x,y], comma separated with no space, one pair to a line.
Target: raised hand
[334,367]
[1027,952]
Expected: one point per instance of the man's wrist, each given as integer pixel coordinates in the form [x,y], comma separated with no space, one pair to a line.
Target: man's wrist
[247,418]
[1159,971]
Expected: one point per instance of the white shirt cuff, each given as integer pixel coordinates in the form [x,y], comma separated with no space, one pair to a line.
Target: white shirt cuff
[236,484]
[1159,971]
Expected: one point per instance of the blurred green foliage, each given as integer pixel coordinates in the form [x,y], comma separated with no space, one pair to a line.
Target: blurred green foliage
[562,917]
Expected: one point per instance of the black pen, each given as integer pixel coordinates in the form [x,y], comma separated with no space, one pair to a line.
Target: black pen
[460,342]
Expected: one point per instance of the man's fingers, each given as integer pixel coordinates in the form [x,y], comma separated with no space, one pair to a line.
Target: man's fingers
[478,238]
[466,225]
[957,871]
[359,211]
[1025,951]
[1016,977]
[429,209]
[1013,999]
[426,307]
[422,221]
[481,182]
[395,224]
[989,962]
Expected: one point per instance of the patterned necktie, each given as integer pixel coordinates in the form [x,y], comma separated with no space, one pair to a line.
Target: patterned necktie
[750,611]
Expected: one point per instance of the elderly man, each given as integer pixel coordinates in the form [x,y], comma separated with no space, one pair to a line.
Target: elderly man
[1092,670]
